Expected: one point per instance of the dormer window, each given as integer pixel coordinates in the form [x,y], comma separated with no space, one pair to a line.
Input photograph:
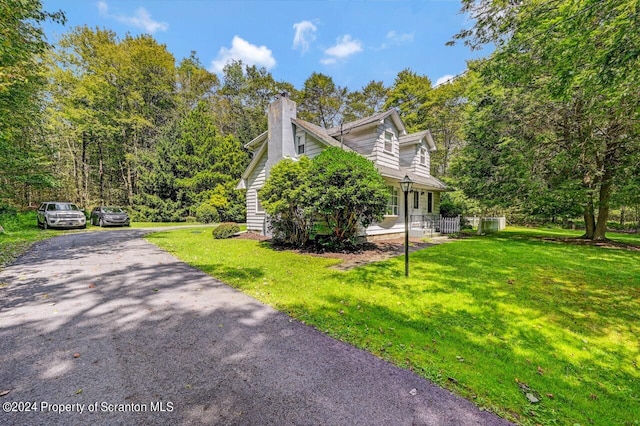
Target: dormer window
[423,156]
[388,141]
[300,145]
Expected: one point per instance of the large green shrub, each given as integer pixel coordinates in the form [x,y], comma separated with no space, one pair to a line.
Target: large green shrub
[284,199]
[338,191]
[225,230]
[347,193]
[206,213]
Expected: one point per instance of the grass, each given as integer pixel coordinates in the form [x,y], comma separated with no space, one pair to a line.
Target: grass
[21,232]
[492,318]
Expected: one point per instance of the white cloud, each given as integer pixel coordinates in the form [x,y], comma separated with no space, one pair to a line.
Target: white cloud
[345,46]
[328,61]
[103,8]
[399,38]
[141,19]
[395,39]
[305,33]
[242,50]
[444,79]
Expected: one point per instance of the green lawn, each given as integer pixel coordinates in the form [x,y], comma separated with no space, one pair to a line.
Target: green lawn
[21,232]
[492,318]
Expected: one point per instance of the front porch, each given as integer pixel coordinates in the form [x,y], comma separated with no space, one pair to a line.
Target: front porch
[431,225]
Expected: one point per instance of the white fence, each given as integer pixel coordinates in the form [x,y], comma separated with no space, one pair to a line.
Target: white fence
[487,224]
[426,225]
[449,225]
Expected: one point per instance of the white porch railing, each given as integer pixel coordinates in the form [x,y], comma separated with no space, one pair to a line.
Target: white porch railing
[429,224]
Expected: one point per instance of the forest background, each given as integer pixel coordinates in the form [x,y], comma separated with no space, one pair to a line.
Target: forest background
[545,129]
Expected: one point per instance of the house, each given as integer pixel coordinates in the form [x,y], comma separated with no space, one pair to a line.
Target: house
[382,138]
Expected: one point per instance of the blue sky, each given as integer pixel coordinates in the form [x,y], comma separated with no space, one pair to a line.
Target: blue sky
[354,42]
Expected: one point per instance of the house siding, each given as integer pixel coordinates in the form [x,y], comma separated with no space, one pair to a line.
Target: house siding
[367,139]
[312,148]
[363,142]
[410,158]
[418,168]
[255,220]
[386,158]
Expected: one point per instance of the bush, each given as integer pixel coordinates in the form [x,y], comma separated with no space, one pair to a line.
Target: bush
[348,193]
[283,197]
[206,213]
[151,208]
[225,230]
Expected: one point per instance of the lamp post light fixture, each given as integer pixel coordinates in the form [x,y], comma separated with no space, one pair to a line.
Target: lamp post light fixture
[406,184]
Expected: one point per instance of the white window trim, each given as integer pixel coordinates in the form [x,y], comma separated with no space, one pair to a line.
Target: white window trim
[393,193]
[384,141]
[416,197]
[300,143]
[259,209]
[422,156]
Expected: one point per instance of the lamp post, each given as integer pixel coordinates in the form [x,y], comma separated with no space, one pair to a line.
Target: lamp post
[406,184]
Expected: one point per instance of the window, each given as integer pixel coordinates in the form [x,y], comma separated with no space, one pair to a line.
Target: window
[416,200]
[388,141]
[392,204]
[259,208]
[300,145]
[423,156]
[429,202]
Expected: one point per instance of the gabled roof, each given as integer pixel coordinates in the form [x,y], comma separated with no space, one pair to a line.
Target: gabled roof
[416,138]
[255,142]
[430,182]
[242,184]
[319,133]
[363,122]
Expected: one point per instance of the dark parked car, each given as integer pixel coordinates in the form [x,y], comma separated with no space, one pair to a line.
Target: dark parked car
[58,214]
[109,216]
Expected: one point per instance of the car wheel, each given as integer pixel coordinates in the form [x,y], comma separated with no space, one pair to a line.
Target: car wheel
[101,223]
[84,226]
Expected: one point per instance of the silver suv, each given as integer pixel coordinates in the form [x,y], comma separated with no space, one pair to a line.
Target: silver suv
[56,214]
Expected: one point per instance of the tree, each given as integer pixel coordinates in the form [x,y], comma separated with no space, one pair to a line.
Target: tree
[193,83]
[347,192]
[321,101]
[241,102]
[444,112]
[23,148]
[408,93]
[366,102]
[580,64]
[284,199]
[109,100]
[193,168]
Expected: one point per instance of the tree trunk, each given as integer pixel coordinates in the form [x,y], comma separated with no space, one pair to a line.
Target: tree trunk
[622,216]
[605,196]
[589,220]
[85,171]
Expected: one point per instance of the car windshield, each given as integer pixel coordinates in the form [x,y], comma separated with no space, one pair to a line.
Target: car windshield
[63,206]
[112,210]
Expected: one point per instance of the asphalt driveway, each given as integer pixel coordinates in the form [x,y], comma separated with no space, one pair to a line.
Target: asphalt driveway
[105,328]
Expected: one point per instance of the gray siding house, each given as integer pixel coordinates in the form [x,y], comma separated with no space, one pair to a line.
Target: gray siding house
[382,138]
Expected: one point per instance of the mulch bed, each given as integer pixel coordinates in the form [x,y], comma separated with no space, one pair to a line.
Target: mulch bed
[373,251]
[584,242]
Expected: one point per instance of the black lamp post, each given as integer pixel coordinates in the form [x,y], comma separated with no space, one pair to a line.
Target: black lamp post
[406,184]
